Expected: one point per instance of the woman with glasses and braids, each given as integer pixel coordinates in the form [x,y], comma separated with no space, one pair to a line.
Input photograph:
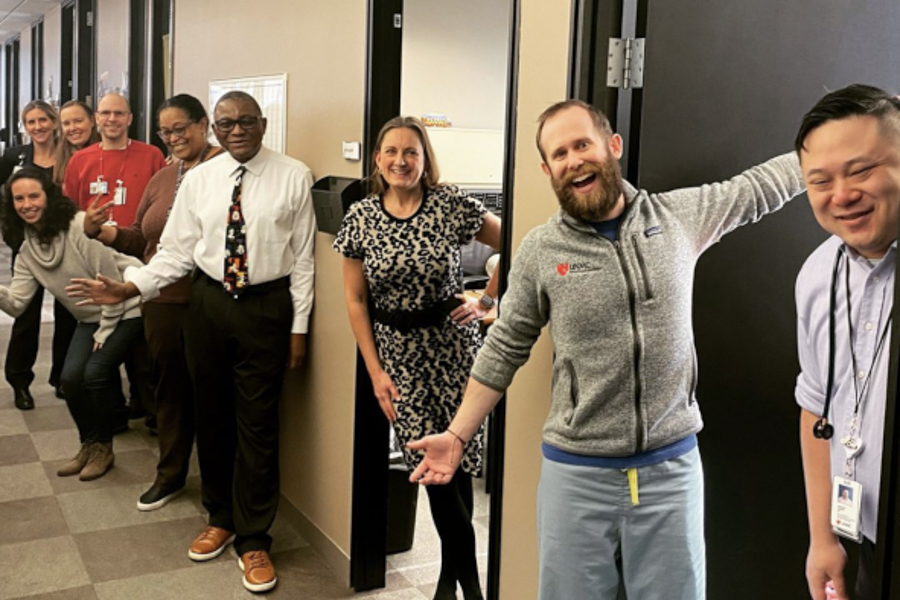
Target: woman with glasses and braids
[183,128]
[41,123]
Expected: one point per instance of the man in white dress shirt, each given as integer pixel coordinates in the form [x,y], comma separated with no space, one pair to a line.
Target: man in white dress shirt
[239,339]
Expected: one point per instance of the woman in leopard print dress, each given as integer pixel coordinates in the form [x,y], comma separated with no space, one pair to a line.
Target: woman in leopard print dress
[401,247]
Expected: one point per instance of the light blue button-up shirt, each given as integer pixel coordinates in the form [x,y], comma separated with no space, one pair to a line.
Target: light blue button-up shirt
[871,300]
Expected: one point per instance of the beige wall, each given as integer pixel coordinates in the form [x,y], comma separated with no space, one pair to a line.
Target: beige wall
[543,64]
[326,75]
[112,27]
[52,45]
[455,57]
[24,70]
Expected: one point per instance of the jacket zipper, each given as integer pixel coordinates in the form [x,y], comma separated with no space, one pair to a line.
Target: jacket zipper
[639,420]
[645,275]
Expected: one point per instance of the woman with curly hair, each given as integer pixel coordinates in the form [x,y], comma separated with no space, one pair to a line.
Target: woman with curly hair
[54,251]
[41,123]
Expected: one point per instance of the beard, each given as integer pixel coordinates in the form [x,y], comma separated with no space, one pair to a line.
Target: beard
[597,205]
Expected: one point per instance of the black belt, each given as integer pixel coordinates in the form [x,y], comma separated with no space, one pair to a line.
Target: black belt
[259,288]
[405,320]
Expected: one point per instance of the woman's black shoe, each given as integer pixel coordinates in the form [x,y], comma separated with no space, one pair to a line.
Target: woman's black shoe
[23,399]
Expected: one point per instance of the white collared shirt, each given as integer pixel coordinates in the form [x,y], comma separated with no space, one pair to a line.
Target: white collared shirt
[278,211]
[871,300]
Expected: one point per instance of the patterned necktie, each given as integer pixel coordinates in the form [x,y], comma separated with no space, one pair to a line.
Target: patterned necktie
[236,279]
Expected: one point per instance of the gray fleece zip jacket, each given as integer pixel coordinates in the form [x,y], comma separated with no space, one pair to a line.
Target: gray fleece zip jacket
[71,254]
[625,367]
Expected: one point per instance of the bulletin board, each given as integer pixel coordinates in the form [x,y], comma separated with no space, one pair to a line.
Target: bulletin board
[270,92]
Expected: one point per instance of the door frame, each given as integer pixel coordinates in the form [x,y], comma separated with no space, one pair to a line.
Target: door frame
[369,496]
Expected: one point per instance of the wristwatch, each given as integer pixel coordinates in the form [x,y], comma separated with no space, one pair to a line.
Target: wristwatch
[486,302]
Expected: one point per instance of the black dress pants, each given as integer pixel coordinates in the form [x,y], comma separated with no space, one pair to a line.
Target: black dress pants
[866,571]
[237,352]
[24,340]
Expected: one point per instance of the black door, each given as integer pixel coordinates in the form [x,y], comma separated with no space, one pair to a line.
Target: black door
[68,54]
[726,84]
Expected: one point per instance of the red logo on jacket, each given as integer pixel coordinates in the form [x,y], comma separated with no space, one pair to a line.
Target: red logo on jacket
[562,268]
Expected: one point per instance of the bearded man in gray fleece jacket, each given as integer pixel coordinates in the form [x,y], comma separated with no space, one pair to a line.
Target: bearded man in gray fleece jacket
[614,271]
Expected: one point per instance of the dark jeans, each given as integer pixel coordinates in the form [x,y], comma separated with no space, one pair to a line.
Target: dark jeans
[237,352]
[91,379]
[174,395]
[24,340]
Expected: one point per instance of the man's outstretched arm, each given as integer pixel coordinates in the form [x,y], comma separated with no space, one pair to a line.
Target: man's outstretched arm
[444,451]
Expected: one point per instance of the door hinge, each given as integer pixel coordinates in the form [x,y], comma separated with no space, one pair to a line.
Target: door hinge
[89,19]
[625,68]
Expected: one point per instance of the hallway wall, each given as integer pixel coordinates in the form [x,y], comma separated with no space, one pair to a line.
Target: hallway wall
[52,45]
[543,65]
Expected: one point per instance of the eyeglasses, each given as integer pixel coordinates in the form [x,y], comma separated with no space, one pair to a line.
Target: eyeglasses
[177,132]
[105,114]
[246,123]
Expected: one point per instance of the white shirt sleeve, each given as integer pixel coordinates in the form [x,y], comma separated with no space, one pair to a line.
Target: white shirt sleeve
[175,257]
[303,242]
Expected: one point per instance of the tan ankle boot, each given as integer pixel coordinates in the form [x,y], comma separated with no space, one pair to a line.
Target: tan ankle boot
[99,461]
[74,466]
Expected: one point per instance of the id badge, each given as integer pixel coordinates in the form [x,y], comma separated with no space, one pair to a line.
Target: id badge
[846,504]
[119,197]
[99,187]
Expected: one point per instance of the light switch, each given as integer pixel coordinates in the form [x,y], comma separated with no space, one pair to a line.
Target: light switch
[350,150]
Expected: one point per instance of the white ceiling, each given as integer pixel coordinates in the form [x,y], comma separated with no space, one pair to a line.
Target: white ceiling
[16,15]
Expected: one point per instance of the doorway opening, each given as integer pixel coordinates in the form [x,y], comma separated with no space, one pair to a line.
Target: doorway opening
[430,61]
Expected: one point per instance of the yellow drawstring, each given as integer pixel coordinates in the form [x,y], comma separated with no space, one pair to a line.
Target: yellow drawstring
[633,485]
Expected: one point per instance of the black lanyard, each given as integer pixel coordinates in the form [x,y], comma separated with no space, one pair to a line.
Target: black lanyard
[861,393]
[822,429]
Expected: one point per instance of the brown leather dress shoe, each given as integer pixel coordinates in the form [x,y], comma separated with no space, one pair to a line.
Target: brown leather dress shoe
[210,543]
[259,572]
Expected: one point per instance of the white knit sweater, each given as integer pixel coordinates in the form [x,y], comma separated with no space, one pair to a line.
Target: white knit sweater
[71,254]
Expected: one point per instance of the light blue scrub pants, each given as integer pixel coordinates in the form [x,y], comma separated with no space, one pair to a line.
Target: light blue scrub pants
[586,519]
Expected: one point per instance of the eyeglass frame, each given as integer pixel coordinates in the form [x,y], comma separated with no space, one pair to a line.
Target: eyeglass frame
[244,122]
[166,135]
[106,114]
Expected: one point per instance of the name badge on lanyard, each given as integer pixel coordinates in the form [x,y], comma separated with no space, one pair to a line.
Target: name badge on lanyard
[846,505]
[119,196]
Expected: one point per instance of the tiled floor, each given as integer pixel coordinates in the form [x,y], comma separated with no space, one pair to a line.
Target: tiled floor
[63,539]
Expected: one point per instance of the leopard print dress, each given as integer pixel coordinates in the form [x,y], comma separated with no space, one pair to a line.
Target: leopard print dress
[411,264]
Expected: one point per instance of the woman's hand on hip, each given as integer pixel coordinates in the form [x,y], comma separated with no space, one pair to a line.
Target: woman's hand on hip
[469,310]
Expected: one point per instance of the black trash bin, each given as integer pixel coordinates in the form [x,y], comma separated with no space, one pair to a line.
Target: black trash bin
[402,500]
[332,196]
